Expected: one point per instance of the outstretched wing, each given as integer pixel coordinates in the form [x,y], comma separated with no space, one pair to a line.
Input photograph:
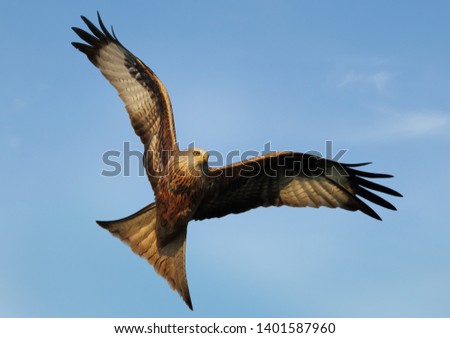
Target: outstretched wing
[139,232]
[144,95]
[293,179]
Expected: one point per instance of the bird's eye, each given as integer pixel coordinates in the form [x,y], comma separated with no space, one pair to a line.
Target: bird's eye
[196,153]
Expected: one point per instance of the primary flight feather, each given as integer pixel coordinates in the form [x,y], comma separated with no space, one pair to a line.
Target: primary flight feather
[186,188]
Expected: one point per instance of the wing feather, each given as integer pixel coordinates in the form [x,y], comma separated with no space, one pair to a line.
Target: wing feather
[301,180]
[145,97]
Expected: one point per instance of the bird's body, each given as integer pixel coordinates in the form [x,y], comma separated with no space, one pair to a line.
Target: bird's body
[186,188]
[179,192]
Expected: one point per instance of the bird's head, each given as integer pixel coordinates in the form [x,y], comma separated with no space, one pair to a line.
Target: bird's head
[198,158]
[194,159]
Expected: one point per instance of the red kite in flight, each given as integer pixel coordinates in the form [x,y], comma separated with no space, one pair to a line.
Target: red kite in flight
[186,188]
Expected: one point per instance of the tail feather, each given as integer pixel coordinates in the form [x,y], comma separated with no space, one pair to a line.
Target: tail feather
[139,232]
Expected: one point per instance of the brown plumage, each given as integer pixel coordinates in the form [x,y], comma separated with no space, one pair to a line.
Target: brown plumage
[187,189]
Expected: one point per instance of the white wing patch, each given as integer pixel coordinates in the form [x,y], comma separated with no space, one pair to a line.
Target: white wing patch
[312,192]
[139,102]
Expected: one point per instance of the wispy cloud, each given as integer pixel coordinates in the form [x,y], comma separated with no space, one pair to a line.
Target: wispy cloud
[379,80]
[421,123]
[391,125]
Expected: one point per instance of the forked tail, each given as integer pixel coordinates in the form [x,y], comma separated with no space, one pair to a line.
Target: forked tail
[139,232]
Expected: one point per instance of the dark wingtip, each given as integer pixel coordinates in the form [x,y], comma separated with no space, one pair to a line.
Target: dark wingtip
[377,187]
[91,40]
[102,26]
[369,174]
[113,33]
[363,207]
[370,196]
[103,224]
[356,164]
[372,214]
[398,194]
[98,16]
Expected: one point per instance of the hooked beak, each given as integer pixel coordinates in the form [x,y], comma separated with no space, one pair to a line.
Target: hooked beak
[205,157]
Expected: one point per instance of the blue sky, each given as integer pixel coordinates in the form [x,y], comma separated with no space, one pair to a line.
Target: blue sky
[372,77]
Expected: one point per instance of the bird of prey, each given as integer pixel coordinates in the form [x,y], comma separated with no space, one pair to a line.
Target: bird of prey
[187,189]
